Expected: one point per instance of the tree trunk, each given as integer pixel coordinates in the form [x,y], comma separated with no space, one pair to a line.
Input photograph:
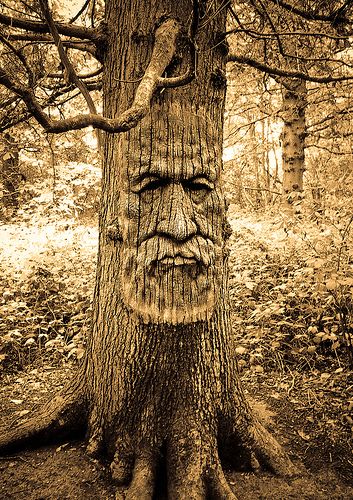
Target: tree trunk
[293,138]
[160,377]
[11,177]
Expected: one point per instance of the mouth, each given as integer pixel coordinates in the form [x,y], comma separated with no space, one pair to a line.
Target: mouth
[176,261]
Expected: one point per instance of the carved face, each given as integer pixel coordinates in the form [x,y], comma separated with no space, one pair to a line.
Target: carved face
[171,220]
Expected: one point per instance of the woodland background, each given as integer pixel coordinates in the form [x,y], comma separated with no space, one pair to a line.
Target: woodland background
[291,259]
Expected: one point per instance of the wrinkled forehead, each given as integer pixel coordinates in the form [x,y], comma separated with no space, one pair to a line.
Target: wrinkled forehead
[173,148]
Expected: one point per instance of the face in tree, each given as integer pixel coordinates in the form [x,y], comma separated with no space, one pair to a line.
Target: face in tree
[171,222]
[160,380]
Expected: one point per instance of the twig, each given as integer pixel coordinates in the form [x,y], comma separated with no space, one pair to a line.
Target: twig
[69,69]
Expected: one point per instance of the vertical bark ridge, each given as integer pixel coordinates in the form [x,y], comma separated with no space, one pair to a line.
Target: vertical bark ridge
[293,136]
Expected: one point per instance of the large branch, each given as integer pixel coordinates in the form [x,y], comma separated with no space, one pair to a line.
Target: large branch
[84,46]
[335,17]
[270,70]
[163,51]
[80,32]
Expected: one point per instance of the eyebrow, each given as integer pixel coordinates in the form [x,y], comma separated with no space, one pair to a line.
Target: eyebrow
[147,170]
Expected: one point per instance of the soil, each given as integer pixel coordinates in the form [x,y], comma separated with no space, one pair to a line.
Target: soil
[65,471]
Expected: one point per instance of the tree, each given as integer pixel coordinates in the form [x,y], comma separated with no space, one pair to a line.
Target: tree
[289,43]
[159,378]
[11,176]
[251,138]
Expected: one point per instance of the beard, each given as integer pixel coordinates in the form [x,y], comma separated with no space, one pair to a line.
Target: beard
[168,282]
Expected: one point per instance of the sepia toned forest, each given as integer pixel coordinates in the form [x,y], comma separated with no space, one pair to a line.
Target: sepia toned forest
[176,259]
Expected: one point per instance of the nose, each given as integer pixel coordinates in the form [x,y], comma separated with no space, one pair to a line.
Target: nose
[177,214]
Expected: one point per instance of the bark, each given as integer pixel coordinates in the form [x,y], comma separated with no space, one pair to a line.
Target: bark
[160,381]
[11,176]
[293,138]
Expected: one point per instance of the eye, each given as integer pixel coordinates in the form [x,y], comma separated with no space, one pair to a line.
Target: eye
[151,184]
[199,188]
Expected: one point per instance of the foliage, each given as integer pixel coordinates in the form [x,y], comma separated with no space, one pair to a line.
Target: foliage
[298,296]
[72,191]
[45,310]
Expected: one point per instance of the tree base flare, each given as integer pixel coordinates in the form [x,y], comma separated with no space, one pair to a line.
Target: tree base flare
[189,463]
[187,460]
[63,417]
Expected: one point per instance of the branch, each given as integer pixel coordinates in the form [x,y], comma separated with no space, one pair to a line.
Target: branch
[189,75]
[87,46]
[69,69]
[270,70]
[20,56]
[82,9]
[336,17]
[22,115]
[263,35]
[80,32]
[82,76]
[163,51]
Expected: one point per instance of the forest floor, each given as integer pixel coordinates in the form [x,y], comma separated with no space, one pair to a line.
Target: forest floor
[294,370]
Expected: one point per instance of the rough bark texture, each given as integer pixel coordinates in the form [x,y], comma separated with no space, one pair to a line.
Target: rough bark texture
[11,177]
[160,377]
[293,137]
[161,370]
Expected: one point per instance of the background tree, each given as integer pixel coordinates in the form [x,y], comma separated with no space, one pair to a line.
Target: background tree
[251,142]
[11,176]
[286,40]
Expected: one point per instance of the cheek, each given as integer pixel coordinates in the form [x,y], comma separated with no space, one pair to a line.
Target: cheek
[140,214]
[209,215]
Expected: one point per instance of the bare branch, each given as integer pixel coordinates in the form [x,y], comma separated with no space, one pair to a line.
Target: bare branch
[20,56]
[335,17]
[18,114]
[163,51]
[83,76]
[82,9]
[69,69]
[80,32]
[270,70]
[87,46]
[263,35]
[189,75]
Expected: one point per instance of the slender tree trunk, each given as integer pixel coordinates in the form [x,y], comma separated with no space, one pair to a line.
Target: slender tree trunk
[293,138]
[11,177]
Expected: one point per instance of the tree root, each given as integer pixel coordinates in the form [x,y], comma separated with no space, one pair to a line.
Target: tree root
[269,453]
[190,447]
[192,462]
[62,417]
[144,478]
[193,470]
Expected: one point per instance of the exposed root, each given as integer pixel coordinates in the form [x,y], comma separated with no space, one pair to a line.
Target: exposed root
[123,463]
[269,453]
[142,485]
[218,486]
[95,443]
[62,417]
[193,470]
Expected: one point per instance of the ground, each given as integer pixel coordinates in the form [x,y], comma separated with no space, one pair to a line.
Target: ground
[302,396]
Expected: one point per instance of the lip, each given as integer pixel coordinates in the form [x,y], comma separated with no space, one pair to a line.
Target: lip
[176,261]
